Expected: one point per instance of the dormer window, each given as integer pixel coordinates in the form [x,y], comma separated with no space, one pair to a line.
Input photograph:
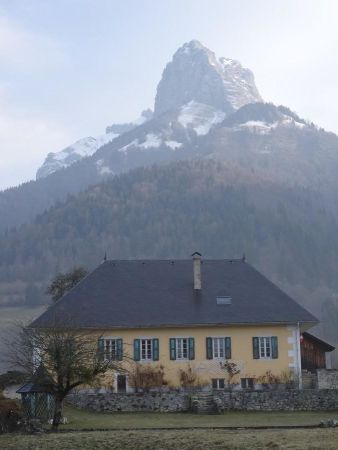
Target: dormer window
[223,300]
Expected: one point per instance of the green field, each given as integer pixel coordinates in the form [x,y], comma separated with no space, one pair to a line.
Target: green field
[83,419]
[315,439]
[132,431]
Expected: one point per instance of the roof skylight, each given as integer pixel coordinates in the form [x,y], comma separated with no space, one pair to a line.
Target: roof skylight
[223,300]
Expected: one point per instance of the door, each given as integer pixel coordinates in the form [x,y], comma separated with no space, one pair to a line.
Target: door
[121,383]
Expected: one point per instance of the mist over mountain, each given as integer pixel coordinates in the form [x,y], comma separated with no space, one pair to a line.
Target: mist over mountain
[165,211]
[214,168]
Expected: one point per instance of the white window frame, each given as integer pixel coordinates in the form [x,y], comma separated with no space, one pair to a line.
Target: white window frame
[216,348]
[179,341]
[110,353]
[218,380]
[265,348]
[148,354]
[245,381]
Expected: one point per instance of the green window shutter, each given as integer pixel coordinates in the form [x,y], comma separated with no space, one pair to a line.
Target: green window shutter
[119,348]
[191,344]
[100,349]
[156,352]
[209,348]
[172,348]
[227,346]
[274,347]
[137,355]
[255,347]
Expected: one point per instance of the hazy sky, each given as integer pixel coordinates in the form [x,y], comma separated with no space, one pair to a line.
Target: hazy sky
[69,68]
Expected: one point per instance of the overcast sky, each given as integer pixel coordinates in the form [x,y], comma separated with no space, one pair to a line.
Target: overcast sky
[69,68]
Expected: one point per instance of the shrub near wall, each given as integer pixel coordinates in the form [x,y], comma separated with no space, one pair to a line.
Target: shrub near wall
[10,415]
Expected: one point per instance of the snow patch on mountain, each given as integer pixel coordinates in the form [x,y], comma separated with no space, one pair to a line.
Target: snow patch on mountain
[199,117]
[102,168]
[152,141]
[80,149]
[87,146]
[261,127]
[173,144]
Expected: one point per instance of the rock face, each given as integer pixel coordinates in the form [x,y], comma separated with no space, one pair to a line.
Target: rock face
[195,74]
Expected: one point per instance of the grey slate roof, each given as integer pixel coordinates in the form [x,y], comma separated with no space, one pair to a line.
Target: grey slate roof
[160,293]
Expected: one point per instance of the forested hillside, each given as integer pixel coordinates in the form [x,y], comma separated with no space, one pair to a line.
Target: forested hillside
[166,211]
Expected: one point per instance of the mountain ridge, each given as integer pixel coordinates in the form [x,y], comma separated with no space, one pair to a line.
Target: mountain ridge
[194,76]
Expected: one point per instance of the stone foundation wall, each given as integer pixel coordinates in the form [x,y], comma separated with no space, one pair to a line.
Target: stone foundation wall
[327,378]
[288,400]
[152,401]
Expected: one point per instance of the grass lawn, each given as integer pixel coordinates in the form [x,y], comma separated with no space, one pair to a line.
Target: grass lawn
[314,439]
[83,419]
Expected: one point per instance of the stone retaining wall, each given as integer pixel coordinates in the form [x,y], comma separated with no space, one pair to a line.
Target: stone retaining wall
[288,400]
[327,378]
[152,401]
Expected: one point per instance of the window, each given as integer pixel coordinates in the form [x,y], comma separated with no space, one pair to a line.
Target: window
[265,347]
[223,300]
[111,349]
[247,383]
[146,349]
[182,348]
[218,383]
[218,347]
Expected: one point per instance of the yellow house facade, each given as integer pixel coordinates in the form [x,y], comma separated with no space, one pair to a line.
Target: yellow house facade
[252,351]
[188,323]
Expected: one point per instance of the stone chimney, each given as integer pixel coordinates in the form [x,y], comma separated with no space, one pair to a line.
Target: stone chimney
[197,257]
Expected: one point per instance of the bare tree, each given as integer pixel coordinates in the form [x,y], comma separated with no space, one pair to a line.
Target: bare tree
[70,358]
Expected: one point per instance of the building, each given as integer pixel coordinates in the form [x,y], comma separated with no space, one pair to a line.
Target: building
[314,352]
[212,322]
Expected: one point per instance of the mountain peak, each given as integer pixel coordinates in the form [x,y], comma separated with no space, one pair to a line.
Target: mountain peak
[193,45]
[195,74]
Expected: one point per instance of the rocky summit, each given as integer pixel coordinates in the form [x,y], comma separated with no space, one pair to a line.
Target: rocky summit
[198,89]
[195,74]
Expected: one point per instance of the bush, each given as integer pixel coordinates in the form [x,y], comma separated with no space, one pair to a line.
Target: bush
[147,377]
[10,415]
[269,380]
[189,378]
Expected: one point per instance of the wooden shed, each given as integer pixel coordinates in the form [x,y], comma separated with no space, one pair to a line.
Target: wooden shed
[313,352]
